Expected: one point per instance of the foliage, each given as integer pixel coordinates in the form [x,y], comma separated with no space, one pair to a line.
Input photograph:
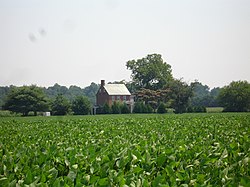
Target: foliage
[140,107]
[7,113]
[202,96]
[4,90]
[106,109]
[25,99]
[116,108]
[196,109]
[149,109]
[153,98]
[60,105]
[161,109]
[181,93]
[73,91]
[81,106]
[125,109]
[150,72]
[146,150]
[235,97]
[90,92]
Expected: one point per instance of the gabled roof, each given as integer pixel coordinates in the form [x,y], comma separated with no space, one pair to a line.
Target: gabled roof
[116,89]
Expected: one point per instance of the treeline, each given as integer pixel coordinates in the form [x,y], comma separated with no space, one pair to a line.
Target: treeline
[51,92]
[153,87]
[30,100]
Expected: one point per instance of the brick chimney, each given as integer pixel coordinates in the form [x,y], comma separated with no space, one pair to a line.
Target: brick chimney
[102,83]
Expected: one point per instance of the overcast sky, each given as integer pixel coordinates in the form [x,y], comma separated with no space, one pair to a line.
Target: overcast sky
[76,42]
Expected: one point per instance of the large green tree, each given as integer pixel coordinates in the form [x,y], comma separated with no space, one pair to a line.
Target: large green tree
[235,97]
[81,106]
[150,72]
[26,99]
[90,91]
[60,105]
[180,93]
[202,96]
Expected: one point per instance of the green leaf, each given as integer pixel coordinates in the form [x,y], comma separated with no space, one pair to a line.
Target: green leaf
[72,175]
[94,179]
[28,178]
[56,183]
[103,182]
[4,181]
[161,159]
[156,182]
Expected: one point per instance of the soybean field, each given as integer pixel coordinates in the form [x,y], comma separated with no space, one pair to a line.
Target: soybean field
[126,150]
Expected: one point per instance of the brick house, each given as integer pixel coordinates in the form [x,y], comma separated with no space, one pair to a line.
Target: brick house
[108,93]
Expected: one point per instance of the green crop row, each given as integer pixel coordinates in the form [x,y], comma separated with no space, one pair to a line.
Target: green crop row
[126,150]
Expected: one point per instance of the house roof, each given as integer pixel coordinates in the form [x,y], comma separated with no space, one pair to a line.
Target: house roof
[116,89]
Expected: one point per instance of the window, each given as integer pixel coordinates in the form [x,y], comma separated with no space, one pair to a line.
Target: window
[118,97]
[124,98]
[113,98]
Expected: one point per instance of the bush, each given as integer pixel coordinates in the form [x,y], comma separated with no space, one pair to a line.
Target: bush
[60,106]
[161,108]
[137,107]
[106,109]
[149,108]
[196,109]
[125,109]
[116,109]
[6,113]
[81,106]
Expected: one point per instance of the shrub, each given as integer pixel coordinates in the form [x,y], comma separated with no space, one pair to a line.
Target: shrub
[125,109]
[116,109]
[81,106]
[161,108]
[106,109]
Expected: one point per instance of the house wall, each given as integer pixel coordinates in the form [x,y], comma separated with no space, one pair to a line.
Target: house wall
[102,97]
[120,98]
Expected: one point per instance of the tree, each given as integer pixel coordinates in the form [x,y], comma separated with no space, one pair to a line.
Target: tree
[106,109]
[90,91]
[140,107]
[125,109]
[150,72]
[181,93]
[214,94]
[235,97]
[81,105]
[116,108]
[202,96]
[25,99]
[161,108]
[153,97]
[3,94]
[60,106]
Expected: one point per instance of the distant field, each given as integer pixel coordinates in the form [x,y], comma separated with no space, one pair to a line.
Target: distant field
[214,109]
[126,150]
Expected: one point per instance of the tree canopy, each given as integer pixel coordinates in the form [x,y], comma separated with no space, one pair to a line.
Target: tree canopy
[180,95]
[202,96]
[150,72]
[60,105]
[25,99]
[235,97]
[81,105]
